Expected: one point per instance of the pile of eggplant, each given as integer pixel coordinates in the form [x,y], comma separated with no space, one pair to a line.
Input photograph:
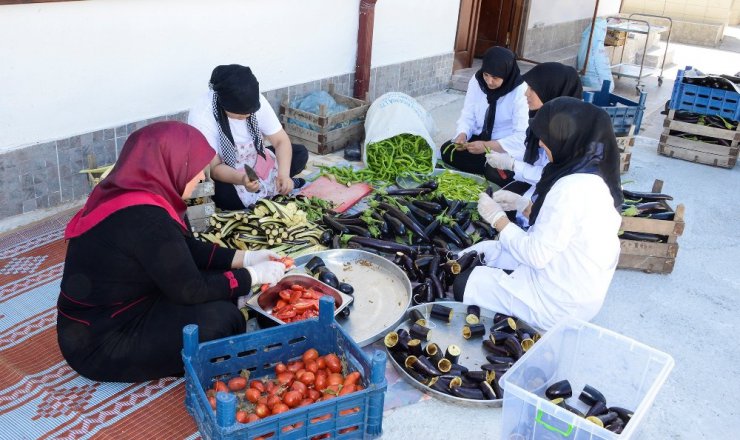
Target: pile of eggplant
[612,418]
[427,363]
[646,205]
[317,268]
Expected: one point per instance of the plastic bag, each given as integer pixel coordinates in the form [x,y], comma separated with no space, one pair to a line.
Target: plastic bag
[599,68]
[396,113]
[312,103]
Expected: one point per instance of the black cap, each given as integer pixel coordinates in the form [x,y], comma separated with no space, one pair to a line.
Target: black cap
[237,89]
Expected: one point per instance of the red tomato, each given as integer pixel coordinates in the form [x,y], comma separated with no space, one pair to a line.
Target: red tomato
[314,394]
[252,395]
[269,386]
[292,398]
[280,368]
[262,411]
[352,378]
[242,417]
[252,418]
[333,363]
[359,387]
[280,408]
[306,402]
[332,390]
[285,378]
[320,382]
[295,366]
[272,401]
[308,378]
[297,287]
[321,362]
[212,401]
[310,355]
[219,386]
[300,387]
[257,385]
[335,379]
[237,383]
[312,366]
[347,389]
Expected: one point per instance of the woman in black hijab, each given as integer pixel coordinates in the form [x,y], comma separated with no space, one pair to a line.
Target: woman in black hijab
[563,264]
[494,117]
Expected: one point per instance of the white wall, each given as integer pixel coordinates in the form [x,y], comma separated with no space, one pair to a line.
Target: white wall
[547,12]
[74,67]
[412,29]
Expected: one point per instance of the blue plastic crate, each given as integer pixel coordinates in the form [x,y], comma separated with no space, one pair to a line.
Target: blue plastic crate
[624,112]
[704,100]
[259,352]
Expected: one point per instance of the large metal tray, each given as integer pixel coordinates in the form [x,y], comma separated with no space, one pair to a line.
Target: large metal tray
[382,291]
[265,301]
[473,354]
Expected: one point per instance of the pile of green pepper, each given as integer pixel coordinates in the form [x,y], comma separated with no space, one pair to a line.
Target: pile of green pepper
[456,187]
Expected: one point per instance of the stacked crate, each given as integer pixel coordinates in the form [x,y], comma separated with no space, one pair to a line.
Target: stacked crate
[201,206]
[710,145]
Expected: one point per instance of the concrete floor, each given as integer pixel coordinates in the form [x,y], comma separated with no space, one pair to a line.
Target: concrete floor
[692,314]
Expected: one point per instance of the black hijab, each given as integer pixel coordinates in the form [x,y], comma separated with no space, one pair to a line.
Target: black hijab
[549,81]
[581,139]
[501,63]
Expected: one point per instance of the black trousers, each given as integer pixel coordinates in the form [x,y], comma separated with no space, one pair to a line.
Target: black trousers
[226,197]
[475,164]
[148,346]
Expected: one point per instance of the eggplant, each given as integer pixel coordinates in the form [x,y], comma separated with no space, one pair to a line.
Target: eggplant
[461,369]
[480,375]
[507,325]
[419,332]
[424,366]
[597,409]
[488,231]
[473,330]
[623,413]
[591,395]
[514,348]
[651,207]
[473,316]
[415,316]
[497,387]
[399,356]
[395,225]
[466,260]
[419,213]
[422,261]
[443,365]
[440,243]
[415,346]
[417,376]
[641,236]
[667,215]
[525,341]
[462,216]
[563,404]
[408,222]
[432,350]
[336,242]
[451,236]
[603,419]
[345,312]
[431,228]
[429,291]
[409,266]
[523,327]
[441,387]
[648,196]
[559,389]
[451,268]
[327,277]
[391,341]
[382,245]
[350,221]
[468,393]
[487,390]
[496,368]
[454,207]
[314,264]
[495,349]
[453,353]
[358,230]
[499,316]
[430,207]
[498,338]
[335,225]
[418,191]
[431,184]
[617,426]
[437,289]
[441,312]
[419,295]
[326,238]
[503,360]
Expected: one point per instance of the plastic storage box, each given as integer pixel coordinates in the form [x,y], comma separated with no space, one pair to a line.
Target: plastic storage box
[628,373]
[258,352]
[704,100]
[624,112]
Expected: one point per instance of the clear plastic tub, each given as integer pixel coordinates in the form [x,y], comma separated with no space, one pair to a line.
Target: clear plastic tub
[627,372]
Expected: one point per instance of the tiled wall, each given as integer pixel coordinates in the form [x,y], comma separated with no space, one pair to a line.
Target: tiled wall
[562,37]
[47,175]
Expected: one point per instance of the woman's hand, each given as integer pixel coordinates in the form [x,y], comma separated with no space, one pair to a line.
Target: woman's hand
[284,184]
[267,272]
[459,141]
[251,185]
[476,147]
[253,257]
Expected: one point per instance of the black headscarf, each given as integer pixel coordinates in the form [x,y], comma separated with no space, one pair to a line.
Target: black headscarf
[235,90]
[501,63]
[549,81]
[581,139]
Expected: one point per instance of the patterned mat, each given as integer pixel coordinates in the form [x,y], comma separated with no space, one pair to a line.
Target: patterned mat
[41,397]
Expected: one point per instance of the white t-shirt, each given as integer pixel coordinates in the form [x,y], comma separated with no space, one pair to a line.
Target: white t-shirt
[201,117]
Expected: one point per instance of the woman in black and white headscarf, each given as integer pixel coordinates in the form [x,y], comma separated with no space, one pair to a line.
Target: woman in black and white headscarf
[234,117]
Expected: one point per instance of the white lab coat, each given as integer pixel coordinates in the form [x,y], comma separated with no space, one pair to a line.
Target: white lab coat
[510,124]
[562,266]
[530,173]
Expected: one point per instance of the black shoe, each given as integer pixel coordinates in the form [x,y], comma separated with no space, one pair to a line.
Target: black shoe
[298,182]
[353,152]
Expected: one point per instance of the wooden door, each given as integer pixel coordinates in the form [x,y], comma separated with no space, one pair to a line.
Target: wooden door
[499,24]
[467,31]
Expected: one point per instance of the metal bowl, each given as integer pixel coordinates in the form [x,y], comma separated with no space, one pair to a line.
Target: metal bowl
[382,291]
[265,301]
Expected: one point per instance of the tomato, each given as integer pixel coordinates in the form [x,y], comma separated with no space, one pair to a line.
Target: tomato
[332,390]
[280,408]
[280,368]
[252,395]
[285,378]
[335,379]
[359,387]
[308,378]
[261,410]
[252,418]
[295,366]
[219,386]
[305,402]
[300,372]
[272,401]
[312,367]
[269,386]
[257,385]
[285,295]
[288,428]
[212,401]
[241,416]
[300,387]
[320,382]
[321,418]
[292,398]
[347,389]
[297,287]
[352,378]
[237,383]
[321,363]
[346,430]
[262,400]
[279,305]
[313,394]
[333,363]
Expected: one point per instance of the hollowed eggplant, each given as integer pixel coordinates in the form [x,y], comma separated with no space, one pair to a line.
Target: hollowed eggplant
[563,404]
[473,316]
[514,348]
[419,332]
[432,350]
[504,325]
[399,356]
[498,338]
[346,288]
[497,387]
[415,316]
[624,414]
[559,389]
[391,341]
[616,426]
[597,409]
[415,347]
[495,349]
[487,390]
[497,368]
[451,268]
[314,264]
[466,260]
[468,393]
[503,360]
[441,387]
[473,331]
[460,369]
[424,366]
[453,353]
[481,376]
[443,365]
[441,312]
[604,419]
[526,341]
[591,395]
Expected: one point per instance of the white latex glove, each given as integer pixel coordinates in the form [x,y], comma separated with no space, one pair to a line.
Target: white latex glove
[266,272]
[491,249]
[253,257]
[502,161]
[510,201]
[488,209]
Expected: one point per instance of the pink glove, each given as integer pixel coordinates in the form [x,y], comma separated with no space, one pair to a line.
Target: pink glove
[267,272]
[488,209]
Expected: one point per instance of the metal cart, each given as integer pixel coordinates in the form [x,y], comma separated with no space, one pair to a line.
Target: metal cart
[638,26]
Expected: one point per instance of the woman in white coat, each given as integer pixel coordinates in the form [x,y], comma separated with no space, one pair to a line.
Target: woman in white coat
[563,265]
[494,117]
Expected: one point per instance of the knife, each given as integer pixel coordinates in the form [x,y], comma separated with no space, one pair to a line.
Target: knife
[251,175]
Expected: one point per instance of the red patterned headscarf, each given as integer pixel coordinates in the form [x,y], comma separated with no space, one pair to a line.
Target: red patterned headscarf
[155,165]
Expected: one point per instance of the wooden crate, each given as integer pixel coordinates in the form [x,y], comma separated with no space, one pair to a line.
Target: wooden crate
[201,205]
[625,144]
[652,257]
[324,139]
[697,151]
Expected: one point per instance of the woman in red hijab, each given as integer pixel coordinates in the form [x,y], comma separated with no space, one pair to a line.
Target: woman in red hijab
[133,275]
